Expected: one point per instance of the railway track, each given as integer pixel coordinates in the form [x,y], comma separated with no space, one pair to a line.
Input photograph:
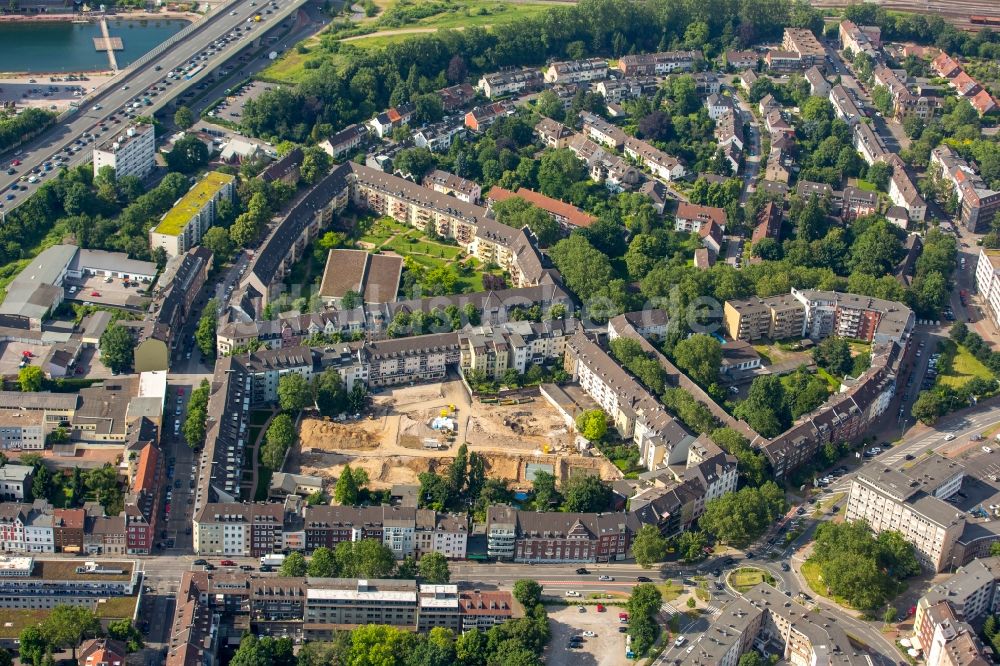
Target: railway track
[956,12]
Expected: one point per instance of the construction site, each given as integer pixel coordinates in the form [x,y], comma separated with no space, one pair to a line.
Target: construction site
[415,429]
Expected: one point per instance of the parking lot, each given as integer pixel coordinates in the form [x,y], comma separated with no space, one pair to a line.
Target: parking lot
[231,108]
[12,352]
[607,648]
[98,291]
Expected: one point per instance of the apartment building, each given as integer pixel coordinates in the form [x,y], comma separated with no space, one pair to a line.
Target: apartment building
[616,90]
[867,142]
[768,223]
[577,71]
[853,316]
[904,102]
[635,412]
[856,202]
[818,85]
[289,331]
[912,501]
[384,123]
[964,599]
[510,82]
[552,134]
[780,60]
[439,136]
[658,64]
[741,60]
[860,39]
[979,204]
[530,536]
[988,281]
[944,639]
[493,349]
[29,583]
[607,167]
[845,105]
[420,358]
[130,153]
[600,130]
[804,43]
[182,227]
[775,317]
[729,130]
[238,530]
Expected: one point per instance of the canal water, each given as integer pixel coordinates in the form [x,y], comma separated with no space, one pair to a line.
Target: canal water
[69,47]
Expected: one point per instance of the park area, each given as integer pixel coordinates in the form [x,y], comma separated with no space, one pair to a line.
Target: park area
[385,22]
[747,578]
[957,365]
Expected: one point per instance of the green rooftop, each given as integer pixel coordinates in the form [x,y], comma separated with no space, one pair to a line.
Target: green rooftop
[204,190]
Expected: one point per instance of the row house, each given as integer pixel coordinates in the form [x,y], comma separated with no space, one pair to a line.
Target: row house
[438,137]
[904,102]
[729,130]
[289,331]
[964,85]
[457,96]
[510,82]
[384,123]
[27,528]
[903,191]
[856,202]
[238,530]
[655,160]
[553,134]
[577,71]
[658,64]
[844,105]
[480,118]
[616,174]
[420,358]
[741,60]
[616,90]
[692,217]
[600,130]
[347,140]
[142,504]
[718,105]
[860,39]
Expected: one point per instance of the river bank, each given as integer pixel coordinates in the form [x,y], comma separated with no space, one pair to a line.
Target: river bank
[138,15]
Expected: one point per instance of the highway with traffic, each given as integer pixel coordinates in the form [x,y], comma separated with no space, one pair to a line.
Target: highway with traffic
[212,43]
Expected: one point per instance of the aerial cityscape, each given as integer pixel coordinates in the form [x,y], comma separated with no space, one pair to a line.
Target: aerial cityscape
[500,333]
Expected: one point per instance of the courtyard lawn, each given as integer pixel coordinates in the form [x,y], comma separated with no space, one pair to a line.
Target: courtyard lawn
[748,578]
[957,365]
[829,379]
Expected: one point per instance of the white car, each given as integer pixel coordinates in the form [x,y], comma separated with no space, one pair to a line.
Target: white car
[987,449]
[589,634]
[680,641]
[949,437]
[572,593]
[607,578]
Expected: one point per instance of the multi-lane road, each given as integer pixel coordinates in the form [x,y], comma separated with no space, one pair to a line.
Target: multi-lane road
[110,101]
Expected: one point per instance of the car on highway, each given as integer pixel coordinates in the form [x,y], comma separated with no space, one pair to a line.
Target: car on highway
[579,572]
[680,641]
[949,437]
[644,579]
[605,578]
[572,593]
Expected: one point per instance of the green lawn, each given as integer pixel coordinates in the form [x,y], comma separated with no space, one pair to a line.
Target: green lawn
[829,379]
[748,578]
[670,590]
[957,365]
[865,185]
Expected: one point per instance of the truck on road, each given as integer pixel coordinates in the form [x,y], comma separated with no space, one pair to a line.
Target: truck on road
[272,560]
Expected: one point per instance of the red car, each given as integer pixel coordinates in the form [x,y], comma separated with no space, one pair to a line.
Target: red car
[95,293]
[228,563]
[601,608]
[16,163]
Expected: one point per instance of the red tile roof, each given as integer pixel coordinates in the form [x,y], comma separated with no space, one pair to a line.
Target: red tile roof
[573,215]
[145,474]
[690,211]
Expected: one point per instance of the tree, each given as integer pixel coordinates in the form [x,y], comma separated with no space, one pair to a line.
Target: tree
[123,630]
[316,163]
[649,546]
[187,155]
[294,566]
[657,126]
[516,212]
[263,651]
[527,592]
[928,407]
[833,355]
[691,545]
[765,409]
[345,492]
[204,334]
[29,379]
[700,356]
[586,493]
[592,425]
[116,348]
[67,626]
[31,645]
[367,558]
[751,659]
[434,568]
[279,437]
[415,162]
[558,170]
[691,603]
[329,393]
[217,240]
[183,117]
[322,564]
[294,393]
[739,518]
[544,490]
